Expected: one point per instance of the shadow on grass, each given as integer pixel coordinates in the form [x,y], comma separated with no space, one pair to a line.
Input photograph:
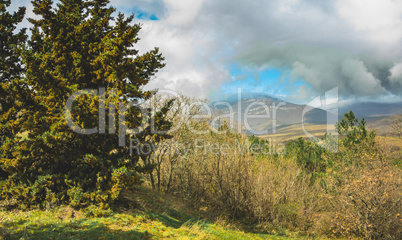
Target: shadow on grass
[80,229]
[172,218]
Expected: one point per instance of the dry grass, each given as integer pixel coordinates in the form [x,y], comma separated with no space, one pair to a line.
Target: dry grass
[394,142]
[296,131]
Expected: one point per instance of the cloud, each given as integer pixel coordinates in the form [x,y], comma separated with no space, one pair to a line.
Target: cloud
[359,80]
[324,68]
[396,74]
[339,43]
[352,44]
[319,42]
[378,21]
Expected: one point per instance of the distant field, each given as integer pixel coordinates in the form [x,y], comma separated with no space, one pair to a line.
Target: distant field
[380,125]
[394,142]
[296,131]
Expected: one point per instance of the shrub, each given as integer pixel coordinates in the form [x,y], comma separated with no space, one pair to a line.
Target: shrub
[312,158]
[236,176]
[369,205]
[281,190]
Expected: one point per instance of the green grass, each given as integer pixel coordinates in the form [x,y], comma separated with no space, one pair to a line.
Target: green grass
[146,215]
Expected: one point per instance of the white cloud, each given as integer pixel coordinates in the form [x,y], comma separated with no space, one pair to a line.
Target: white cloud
[344,43]
[379,21]
[183,12]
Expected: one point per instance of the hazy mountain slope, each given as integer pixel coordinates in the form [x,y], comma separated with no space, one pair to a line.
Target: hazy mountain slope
[265,113]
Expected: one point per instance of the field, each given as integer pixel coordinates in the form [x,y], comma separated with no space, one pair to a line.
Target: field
[381,125]
[296,131]
[146,215]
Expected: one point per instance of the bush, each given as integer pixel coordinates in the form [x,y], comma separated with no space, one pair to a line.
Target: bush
[369,205]
[226,173]
[235,175]
[312,158]
[362,188]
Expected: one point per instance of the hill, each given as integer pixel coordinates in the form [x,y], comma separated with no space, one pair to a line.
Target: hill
[372,109]
[281,120]
[268,114]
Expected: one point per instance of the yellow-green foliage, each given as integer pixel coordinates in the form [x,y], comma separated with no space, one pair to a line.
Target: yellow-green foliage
[10,67]
[74,46]
[154,216]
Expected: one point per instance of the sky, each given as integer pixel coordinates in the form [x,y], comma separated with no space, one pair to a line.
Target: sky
[294,50]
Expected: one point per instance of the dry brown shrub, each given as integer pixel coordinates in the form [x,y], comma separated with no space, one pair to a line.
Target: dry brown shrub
[369,205]
[360,195]
[223,175]
[283,196]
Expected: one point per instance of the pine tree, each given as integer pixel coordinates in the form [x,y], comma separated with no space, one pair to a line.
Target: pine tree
[11,70]
[10,62]
[355,140]
[74,46]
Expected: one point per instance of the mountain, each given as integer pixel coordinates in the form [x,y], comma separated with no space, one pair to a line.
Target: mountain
[260,114]
[377,115]
[371,109]
[269,117]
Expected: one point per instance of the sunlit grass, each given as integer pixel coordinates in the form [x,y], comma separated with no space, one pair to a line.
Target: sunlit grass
[153,216]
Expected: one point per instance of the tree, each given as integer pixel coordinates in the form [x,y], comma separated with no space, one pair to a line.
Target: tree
[167,153]
[354,131]
[10,69]
[313,158]
[10,63]
[356,142]
[79,45]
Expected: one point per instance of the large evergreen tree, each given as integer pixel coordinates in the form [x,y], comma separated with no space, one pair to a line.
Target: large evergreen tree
[10,64]
[78,45]
[10,70]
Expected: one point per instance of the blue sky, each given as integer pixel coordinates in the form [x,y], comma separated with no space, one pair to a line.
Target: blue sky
[292,49]
[253,80]
[269,81]
[142,15]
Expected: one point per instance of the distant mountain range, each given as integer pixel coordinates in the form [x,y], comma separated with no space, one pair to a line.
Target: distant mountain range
[371,109]
[268,115]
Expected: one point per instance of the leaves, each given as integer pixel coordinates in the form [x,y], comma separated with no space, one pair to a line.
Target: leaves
[74,46]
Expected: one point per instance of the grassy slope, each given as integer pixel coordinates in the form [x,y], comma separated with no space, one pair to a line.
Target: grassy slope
[380,125]
[295,131]
[147,215]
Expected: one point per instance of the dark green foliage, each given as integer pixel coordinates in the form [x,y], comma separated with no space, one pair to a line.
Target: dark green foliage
[75,46]
[312,158]
[10,67]
[258,145]
[356,142]
[355,132]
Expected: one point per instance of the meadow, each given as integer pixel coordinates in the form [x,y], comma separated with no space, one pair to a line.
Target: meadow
[146,214]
